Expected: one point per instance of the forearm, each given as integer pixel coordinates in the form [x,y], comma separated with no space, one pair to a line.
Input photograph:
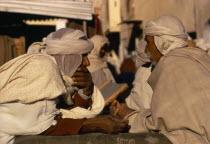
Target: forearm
[66,126]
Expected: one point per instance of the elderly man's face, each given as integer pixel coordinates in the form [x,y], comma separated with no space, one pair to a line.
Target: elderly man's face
[151,48]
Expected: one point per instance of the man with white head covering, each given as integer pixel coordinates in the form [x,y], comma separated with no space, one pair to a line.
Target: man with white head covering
[180,82]
[32,83]
[98,64]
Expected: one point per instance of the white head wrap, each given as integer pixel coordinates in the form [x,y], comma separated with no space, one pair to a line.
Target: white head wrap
[64,44]
[64,41]
[168,32]
[97,62]
[141,56]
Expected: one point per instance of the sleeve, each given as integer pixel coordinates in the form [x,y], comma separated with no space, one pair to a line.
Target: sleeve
[39,78]
[6,139]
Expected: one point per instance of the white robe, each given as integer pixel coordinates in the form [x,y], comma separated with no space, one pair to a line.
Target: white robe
[141,94]
[181,96]
[29,85]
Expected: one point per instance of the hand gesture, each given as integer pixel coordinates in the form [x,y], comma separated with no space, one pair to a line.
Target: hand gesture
[83,80]
[120,110]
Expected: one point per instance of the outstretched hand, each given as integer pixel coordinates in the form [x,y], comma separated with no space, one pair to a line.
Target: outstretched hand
[83,80]
[105,124]
[120,109]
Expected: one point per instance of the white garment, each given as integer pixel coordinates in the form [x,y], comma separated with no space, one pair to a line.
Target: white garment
[141,94]
[32,79]
[26,119]
[98,65]
[180,106]
[97,62]
[168,32]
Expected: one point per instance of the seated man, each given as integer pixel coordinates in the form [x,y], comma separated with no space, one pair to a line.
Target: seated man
[32,84]
[180,83]
[98,64]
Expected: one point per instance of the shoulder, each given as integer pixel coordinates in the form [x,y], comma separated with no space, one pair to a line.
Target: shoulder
[43,61]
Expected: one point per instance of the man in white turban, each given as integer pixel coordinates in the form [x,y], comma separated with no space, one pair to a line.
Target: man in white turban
[98,64]
[180,81]
[32,86]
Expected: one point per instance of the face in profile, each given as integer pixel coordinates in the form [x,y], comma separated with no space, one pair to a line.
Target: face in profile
[104,50]
[151,49]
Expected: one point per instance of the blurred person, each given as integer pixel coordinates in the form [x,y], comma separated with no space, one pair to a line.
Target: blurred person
[204,42]
[33,84]
[98,63]
[180,83]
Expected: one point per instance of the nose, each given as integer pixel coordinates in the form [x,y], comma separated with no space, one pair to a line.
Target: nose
[85,61]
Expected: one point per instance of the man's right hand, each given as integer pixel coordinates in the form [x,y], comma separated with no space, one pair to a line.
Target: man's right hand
[105,124]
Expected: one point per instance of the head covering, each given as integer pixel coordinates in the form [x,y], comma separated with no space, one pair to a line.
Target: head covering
[97,62]
[141,56]
[66,46]
[168,32]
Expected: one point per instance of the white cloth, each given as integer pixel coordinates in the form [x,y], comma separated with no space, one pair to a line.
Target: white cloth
[97,62]
[141,56]
[26,119]
[61,44]
[141,94]
[168,32]
[30,78]
[95,109]
[71,42]
[98,65]
[180,106]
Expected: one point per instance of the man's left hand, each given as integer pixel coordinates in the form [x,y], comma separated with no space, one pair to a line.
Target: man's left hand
[83,80]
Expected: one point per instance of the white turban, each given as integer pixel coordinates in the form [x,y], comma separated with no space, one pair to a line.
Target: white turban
[64,44]
[64,41]
[97,62]
[168,32]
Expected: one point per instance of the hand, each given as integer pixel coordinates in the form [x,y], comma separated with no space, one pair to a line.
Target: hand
[83,80]
[105,124]
[120,110]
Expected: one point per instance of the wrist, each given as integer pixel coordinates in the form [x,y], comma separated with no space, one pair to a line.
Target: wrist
[89,125]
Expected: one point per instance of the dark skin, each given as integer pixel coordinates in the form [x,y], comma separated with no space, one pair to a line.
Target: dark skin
[105,124]
[82,77]
[104,50]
